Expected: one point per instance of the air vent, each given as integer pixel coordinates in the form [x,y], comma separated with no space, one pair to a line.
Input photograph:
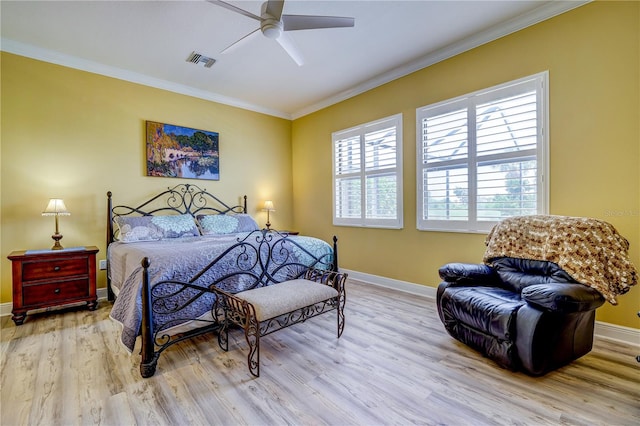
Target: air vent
[197,58]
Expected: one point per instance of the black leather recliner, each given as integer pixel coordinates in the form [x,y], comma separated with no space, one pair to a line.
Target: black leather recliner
[527,315]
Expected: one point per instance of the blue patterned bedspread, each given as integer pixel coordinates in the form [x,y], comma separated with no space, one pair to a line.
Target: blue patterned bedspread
[233,263]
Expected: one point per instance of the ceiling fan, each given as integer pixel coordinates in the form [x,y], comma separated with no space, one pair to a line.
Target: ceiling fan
[273,24]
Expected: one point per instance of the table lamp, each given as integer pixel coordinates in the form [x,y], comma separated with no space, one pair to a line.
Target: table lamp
[268,207]
[56,208]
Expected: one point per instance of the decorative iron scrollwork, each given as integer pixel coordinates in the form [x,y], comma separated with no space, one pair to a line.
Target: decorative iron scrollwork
[260,258]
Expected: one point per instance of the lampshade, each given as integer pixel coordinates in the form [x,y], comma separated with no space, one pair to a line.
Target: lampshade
[56,207]
[268,206]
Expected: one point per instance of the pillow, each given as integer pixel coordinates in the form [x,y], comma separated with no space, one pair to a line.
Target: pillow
[153,228]
[220,224]
[246,223]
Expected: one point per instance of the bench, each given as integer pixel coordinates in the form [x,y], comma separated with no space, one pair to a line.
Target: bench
[264,310]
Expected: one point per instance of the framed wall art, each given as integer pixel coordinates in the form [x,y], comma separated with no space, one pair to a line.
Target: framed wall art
[183,152]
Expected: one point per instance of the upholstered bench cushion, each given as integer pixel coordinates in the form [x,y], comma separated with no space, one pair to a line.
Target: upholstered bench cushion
[278,299]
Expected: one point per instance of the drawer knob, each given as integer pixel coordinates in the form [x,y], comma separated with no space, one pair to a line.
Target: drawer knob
[56,291]
[56,268]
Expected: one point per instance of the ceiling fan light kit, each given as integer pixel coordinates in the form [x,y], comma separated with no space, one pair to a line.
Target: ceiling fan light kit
[273,24]
[271,28]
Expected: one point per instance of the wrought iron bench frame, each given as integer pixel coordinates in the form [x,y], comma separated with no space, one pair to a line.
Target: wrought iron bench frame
[239,312]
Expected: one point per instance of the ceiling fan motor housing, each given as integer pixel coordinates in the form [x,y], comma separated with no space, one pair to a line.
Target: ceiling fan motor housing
[271,27]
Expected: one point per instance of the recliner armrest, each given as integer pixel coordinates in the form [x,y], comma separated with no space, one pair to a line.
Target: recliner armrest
[467,273]
[562,297]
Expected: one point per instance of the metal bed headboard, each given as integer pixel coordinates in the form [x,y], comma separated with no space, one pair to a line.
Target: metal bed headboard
[181,199]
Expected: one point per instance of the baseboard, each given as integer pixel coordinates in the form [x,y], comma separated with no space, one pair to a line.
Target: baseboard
[407,287]
[602,330]
[102,293]
[619,333]
[5,308]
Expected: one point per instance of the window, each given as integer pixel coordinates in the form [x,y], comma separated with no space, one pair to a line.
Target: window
[367,174]
[482,157]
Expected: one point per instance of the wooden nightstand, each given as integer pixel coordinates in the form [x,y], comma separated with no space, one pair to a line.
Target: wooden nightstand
[47,278]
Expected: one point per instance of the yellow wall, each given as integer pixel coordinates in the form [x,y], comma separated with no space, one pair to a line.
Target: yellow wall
[593,58]
[76,135]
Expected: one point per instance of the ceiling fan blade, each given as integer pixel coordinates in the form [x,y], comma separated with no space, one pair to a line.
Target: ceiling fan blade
[308,22]
[274,8]
[291,49]
[235,9]
[240,42]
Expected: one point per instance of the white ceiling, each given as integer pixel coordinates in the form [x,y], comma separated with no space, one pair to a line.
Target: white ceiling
[148,42]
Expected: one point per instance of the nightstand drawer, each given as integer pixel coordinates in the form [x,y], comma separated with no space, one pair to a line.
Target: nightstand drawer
[55,292]
[52,269]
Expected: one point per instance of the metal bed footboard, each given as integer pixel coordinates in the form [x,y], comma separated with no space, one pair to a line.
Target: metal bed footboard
[261,258]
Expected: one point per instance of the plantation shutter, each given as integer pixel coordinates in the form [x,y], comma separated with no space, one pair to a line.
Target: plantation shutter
[367,175]
[481,157]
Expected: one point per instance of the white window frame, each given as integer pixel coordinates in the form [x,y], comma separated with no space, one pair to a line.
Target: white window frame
[360,132]
[469,101]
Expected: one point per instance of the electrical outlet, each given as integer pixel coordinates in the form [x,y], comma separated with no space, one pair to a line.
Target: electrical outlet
[103,264]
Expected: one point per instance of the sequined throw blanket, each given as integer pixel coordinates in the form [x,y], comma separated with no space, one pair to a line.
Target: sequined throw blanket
[589,250]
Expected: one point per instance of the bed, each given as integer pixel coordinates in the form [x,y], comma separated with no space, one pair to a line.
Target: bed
[166,255]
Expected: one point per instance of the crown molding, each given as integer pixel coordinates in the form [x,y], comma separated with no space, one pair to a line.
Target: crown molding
[33,52]
[542,13]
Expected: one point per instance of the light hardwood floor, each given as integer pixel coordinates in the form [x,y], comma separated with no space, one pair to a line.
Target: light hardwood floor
[394,364]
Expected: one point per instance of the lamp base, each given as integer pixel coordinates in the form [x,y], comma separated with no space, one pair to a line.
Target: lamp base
[57,245]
